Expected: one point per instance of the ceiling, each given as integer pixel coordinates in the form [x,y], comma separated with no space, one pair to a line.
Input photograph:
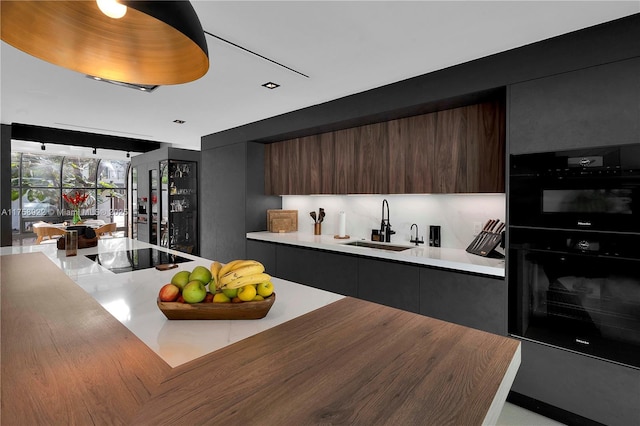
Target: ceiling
[343,47]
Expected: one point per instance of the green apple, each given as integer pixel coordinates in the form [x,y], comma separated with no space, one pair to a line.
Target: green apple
[200,273]
[194,292]
[265,288]
[180,279]
[230,292]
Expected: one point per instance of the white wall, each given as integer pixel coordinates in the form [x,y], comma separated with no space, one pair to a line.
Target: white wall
[459,215]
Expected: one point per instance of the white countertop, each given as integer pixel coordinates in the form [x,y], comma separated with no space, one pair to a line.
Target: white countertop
[455,259]
[131,298]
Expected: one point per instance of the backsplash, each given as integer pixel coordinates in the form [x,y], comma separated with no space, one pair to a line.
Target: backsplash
[458,215]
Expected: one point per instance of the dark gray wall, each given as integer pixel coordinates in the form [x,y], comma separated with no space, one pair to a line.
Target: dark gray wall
[223,192]
[232,199]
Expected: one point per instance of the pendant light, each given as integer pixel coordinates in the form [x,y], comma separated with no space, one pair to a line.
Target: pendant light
[140,42]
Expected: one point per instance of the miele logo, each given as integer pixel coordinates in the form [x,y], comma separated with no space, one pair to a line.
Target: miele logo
[585,162]
[584,223]
[584,342]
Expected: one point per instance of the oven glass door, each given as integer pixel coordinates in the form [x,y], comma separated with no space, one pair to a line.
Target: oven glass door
[578,300]
[576,203]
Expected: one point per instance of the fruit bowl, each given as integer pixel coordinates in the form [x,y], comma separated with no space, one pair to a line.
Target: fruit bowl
[217,311]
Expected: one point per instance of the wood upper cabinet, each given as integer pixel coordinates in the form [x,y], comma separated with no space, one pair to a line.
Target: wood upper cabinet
[370,152]
[450,151]
[415,138]
[449,161]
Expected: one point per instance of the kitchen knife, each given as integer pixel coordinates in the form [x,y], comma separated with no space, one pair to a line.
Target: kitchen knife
[498,234]
[486,235]
[483,234]
[476,242]
[492,240]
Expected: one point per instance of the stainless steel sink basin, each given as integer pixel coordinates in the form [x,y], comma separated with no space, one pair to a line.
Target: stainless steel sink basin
[381,246]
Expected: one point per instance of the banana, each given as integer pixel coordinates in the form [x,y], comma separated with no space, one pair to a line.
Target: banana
[227,267]
[215,269]
[244,263]
[248,280]
[241,272]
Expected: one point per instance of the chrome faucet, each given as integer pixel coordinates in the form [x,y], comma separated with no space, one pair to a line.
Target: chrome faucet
[416,240]
[385,225]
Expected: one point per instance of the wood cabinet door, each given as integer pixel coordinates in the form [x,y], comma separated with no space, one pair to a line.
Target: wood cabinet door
[370,159]
[448,166]
[398,132]
[344,142]
[419,134]
[308,169]
[327,163]
[485,147]
[276,170]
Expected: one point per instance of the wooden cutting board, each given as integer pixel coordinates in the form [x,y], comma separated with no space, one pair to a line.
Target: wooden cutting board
[282,220]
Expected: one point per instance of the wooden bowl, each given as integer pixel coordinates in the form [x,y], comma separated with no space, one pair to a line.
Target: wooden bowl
[217,311]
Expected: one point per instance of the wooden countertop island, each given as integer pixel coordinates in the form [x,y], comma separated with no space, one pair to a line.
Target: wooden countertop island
[67,360]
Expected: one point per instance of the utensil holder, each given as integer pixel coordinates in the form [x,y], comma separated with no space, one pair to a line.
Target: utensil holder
[71,243]
[317,228]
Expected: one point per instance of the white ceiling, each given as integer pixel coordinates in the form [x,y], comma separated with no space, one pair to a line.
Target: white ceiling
[344,48]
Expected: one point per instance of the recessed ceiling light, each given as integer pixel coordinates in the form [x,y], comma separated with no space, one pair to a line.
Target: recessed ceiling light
[270,85]
[179,121]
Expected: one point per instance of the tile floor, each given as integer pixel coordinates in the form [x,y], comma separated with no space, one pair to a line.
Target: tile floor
[513,415]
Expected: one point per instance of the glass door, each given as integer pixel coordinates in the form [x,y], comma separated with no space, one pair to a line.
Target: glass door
[134,203]
[155,216]
[183,206]
[164,204]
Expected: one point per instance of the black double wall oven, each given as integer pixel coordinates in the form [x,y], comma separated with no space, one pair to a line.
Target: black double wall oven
[574,251]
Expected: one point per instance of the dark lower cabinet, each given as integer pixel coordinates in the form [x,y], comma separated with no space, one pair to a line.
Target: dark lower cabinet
[601,391]
[265,253]
[470,300]
[327,271]
[388,283]
[466,299]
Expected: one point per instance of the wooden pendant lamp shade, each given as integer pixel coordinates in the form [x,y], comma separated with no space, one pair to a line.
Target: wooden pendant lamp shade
[155,43]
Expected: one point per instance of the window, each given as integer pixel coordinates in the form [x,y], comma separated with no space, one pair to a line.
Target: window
[39,180]
[112,191]
[36,193]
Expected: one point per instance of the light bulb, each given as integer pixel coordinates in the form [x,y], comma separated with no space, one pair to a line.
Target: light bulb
[112,8]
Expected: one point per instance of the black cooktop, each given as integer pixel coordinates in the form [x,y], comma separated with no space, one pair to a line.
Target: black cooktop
[135,260]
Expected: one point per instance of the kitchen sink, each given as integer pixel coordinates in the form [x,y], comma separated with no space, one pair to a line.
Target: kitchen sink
[381,246]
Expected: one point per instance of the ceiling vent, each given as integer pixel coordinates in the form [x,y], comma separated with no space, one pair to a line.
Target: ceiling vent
[140,87]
